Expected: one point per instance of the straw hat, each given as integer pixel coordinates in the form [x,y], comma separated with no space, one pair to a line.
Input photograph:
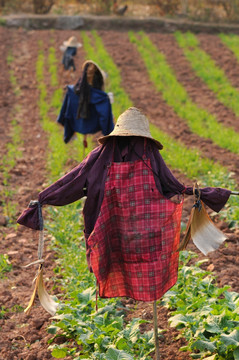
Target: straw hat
[131,123]
[72,42]
[103,73]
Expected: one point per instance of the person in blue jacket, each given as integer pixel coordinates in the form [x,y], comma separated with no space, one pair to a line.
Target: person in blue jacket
[86,108]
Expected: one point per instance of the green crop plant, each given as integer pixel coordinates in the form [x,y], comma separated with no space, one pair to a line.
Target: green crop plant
[13,153]
[232,42]
[206,315]
[180,157]
[57,156]
[57,95]
[206,68]
[52,61]
[5,266]
[198,119]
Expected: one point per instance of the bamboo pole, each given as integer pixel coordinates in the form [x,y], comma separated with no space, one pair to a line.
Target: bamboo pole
[156,339]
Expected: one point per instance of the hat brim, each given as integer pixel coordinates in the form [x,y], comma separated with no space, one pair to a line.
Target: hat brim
[102,140]
[67,44]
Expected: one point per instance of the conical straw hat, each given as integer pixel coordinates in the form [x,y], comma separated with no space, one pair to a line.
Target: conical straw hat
[131,123]
[72,42]
[103,73]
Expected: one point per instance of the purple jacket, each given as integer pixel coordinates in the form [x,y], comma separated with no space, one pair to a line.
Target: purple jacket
[88,179]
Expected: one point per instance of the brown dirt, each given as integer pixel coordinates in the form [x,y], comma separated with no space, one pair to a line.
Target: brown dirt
[25,336]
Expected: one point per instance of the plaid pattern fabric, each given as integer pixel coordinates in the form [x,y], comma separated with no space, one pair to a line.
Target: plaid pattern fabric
[132,247]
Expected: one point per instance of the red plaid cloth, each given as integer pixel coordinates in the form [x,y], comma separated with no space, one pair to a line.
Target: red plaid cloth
[132,247]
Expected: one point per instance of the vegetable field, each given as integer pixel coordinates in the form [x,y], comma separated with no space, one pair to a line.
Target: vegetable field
[188,86]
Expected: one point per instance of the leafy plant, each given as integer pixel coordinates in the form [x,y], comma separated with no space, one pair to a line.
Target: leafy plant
[58,155]
[206,315]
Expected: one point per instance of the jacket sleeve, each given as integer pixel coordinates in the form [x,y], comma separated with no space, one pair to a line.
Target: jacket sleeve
[61,116]
[215,198]
[169,186]
[65,117]
[66,190]
[104,112]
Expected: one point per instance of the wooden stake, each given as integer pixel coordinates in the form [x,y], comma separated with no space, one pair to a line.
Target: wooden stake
[156,339]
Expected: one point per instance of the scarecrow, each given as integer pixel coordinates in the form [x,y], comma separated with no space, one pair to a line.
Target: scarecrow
[70,50]
[132,211]
[86,108]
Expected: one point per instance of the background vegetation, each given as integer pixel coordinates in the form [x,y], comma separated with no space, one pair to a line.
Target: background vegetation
[200,10]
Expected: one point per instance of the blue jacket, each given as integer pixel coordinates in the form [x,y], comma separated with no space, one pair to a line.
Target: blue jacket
[100,119]
[67,59]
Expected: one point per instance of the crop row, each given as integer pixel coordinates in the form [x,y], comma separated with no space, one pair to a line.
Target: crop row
[206,68]
[198,119]
[9,160]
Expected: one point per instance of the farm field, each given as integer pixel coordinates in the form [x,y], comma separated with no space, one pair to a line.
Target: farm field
[193,110]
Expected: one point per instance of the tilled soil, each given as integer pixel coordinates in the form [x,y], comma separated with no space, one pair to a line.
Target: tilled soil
[25,336]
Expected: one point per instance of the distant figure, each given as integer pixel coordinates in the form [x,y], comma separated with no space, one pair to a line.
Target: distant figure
[86,108]
[119,10]
[70,49]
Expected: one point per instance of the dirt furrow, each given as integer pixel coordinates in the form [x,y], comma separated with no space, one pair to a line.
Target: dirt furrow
[196,88]
[24,336]
[222,55]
